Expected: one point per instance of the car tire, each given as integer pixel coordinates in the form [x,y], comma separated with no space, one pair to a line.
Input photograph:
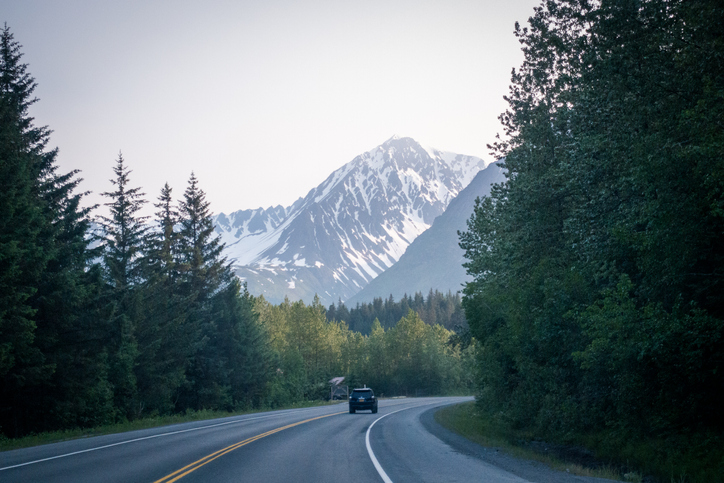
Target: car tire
[351,411]
[374,409]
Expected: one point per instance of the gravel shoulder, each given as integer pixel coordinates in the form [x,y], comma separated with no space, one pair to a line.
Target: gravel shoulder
[530,470]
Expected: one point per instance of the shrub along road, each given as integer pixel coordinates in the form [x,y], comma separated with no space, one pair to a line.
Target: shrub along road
[321,444]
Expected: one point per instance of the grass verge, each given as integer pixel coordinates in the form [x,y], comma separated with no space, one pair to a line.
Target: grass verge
[7,444]
[465,420]
[687,458]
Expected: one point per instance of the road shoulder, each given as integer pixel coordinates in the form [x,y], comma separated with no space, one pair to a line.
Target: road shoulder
[533,471]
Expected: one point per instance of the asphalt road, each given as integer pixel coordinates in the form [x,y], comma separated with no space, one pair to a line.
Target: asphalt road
[401,443]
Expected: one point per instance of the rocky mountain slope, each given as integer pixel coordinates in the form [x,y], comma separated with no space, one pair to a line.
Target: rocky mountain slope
[434,260]
[349,229]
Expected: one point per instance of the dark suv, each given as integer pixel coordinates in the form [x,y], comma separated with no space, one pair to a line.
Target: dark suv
[362,398]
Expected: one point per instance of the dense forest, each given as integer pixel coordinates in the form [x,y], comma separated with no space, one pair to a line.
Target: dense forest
[409,358]
[598,292]
[437,308]
[115,317]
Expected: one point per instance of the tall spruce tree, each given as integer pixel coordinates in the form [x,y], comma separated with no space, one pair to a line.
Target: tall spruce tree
[203,273]
[164,244]
[52,373]
[203,266]
[124,231]
[230,364]
[24,252]
[123,241]
[164,340]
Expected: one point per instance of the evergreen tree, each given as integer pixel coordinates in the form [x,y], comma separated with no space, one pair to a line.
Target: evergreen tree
[124,239]
[243,345]
[203,267]
[438,308]
[165,243]
[597,265]
[124,231]
[204,273]
[52,372]
[24,254]
[164,341]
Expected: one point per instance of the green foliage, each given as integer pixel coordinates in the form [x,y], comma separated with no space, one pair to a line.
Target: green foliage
[228,362]
[164,338]
[21,217]
[123,231]
[123,240]
[437,308]
[649,357]
[411,358]
[50,375]
[597,292]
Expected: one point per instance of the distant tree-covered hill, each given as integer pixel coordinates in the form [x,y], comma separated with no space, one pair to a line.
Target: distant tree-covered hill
[440,308]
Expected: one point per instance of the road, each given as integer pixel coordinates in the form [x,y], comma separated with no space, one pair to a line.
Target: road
[401,443]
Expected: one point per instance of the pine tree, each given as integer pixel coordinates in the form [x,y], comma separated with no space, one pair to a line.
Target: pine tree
[124,238]
[202,264]
[164,339]
[203,274]
[243,345]
[23,255]
[165,242]
[52,374]
[123,231]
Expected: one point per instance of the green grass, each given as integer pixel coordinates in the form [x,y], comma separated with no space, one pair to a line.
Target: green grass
[694,458]
[7,444]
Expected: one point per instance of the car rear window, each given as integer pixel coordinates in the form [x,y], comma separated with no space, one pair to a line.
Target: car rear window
[363,393]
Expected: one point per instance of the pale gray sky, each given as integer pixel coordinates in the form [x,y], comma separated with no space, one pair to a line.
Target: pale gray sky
[261,99]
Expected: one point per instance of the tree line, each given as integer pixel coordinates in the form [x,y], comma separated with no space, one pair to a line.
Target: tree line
[410,357]
[437,308]
[598,292]
[115,317]
[123,316]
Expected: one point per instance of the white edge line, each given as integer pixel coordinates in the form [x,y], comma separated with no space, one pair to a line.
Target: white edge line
[377,464]
[144,438]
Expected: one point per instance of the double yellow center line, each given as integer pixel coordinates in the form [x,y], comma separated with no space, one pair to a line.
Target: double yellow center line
[177,475]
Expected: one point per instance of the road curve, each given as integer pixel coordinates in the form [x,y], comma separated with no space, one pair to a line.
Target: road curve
[323,444]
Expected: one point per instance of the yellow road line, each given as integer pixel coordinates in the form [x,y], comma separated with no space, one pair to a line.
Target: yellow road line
[178,474]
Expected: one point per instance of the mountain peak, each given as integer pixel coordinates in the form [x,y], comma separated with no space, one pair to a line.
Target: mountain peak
[350,228]
[393,138]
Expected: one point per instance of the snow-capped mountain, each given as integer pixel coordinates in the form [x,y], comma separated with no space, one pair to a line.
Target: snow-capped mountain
[350,228]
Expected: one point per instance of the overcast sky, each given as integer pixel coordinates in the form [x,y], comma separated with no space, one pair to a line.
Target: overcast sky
[261,99]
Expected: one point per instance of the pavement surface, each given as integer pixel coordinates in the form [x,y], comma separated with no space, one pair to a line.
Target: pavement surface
[401,443]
